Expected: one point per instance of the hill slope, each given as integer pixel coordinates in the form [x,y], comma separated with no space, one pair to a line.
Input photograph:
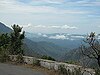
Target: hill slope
[4,29]
[69,41]
[77,56]
[45,48]
[32,48]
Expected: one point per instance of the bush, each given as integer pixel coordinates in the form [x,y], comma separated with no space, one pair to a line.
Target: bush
[4,58]
[97,71]
[4,55]
[20,58]
[47,57]
[64,71]
[36,63]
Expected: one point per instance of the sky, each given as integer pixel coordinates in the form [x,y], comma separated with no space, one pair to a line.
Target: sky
[52,16]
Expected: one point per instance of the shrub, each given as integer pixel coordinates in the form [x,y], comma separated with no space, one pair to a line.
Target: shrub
[4,55]
[97,71]
[19,58]
[47,57]
[64,71]
[36,63]
[4,58]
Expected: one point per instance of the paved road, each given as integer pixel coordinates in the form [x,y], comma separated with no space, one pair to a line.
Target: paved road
[8,69]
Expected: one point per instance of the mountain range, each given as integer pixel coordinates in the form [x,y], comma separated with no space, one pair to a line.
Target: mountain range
[61,46]
[33,48]
[68,41]
[4,28]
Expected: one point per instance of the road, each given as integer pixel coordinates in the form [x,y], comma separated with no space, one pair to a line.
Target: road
[8,69]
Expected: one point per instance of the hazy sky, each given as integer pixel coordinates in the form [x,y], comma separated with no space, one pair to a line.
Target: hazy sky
[52,16]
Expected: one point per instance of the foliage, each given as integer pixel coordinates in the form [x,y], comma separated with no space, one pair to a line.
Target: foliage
[64,71]
[17,37]
[47,57]
[20,58]
[3,55]
[12,44]
[4,39]
[36,62]
[97,71]
[4,47]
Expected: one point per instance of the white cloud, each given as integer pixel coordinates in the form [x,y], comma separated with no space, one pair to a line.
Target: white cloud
[69,2]
[83,3]
[68,27]
[29,25]
[58,37]
[24,26]
[49,28]
[44,35]
[55,26]
[91,4]
[40,34]
[68,37]
[54,1]
[98,37]
[77,37]
[40,26]
[49,1]
[13,6]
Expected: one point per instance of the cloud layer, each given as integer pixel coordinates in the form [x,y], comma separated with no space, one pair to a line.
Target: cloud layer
[13,6]
[52,15]
[48,28]
[52,26]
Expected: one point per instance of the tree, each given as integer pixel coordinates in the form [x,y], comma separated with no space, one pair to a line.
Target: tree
[91,48]
[4,39]
[4,47]
[16,41]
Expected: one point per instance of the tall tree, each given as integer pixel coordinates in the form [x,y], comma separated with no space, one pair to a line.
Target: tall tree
[91,48]
[17,37]
[4,39]
[4,47]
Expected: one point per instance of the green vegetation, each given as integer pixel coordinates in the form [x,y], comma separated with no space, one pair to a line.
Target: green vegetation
[20,58]
[47,57]
[97,71]
[36,62]
[11,44]
[16,40]
[4,47]
[64,71]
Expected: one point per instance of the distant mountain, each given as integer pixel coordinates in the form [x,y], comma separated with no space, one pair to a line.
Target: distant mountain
[69,41]
[38,49]
[4,28]
[28,51]
[45,48]
[77,56]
